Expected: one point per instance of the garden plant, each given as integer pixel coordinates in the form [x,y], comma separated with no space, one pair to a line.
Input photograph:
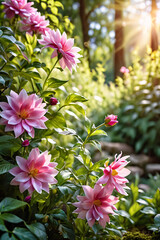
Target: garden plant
[50,188]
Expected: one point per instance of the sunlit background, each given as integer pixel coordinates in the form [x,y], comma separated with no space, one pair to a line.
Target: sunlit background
[139,21]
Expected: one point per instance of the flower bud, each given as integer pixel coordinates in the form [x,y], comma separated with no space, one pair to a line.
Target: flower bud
[27,199]
[25,143]
[110,120]
[53,101]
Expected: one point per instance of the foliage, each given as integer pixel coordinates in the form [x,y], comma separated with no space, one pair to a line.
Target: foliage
[140,103]
[43,213]
[135,98]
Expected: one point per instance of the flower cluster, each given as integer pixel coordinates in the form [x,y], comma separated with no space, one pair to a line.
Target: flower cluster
[98,202]
[32,21]
[18,7]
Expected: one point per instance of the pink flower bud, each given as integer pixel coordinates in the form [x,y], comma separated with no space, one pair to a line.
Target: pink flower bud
[53,101]
[124,70]
[27,199]
[25,143]
[110,120]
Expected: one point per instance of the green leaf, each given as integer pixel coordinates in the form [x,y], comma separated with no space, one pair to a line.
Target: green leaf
[8,29]
[79,107]
[157,219]
[6,236]
[56,120]
[47,93]
[67,231]
[74,97]
[135,208]
[98,132]
[1,32]
[38,230]
[2,226]
[37,64]
[58,4]
[8,144]
[114,231]
[9,204]
[10,38]
[88,124]
[53,18]
[96,144]
[55,83]
[23,234]
[2,81]
[10,218]
[98,164]
[65,190]
[5,166]
[148,210]
[59,214]
[2,57]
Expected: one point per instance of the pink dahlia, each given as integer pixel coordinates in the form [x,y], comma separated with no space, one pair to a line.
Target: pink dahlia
[35,23]
[63,47]
[124,70]
[18,7]
[96,205]
[110,120]
[23,113]
[34,173]
[115,173]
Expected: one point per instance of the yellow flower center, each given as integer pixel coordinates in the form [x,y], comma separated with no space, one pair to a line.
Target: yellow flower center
[97,202]
[23,114]
[33,173]
[114,172]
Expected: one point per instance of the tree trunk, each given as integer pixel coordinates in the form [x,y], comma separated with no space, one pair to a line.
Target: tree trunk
[118,46]
[154,36]
[85,26]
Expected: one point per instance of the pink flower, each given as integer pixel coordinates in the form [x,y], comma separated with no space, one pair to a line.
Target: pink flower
[23,113]
[35,23]
[34,173]
[53,101]
[25,143]
[110,120]
[124,70]
[115,173]
[69,54]
[18,7]
[96,205]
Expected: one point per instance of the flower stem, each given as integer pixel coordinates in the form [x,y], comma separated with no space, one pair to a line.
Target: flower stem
[89,134]
[45,82]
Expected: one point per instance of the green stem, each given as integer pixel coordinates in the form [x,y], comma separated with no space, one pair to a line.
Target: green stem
[89,134]
[45,82]
[61,108]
